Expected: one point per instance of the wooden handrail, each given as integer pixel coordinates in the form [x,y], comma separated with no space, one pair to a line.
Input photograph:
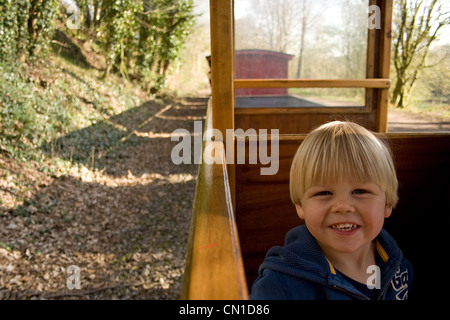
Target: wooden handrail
[214,266]
[312,83]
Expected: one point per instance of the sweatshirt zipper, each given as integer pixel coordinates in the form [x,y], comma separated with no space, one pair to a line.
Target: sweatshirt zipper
[349,292]
[382,292]
[359,295]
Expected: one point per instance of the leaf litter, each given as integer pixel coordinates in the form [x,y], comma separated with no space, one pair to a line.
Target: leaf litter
[120,214]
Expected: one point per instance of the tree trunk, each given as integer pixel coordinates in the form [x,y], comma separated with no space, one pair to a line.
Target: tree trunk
[414,34]
[397,90]
[302,40]
[302,46]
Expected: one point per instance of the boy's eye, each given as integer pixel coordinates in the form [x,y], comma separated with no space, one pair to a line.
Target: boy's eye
[360,191]
[323,193]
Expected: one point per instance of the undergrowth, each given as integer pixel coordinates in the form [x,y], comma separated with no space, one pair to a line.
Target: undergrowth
[51,98]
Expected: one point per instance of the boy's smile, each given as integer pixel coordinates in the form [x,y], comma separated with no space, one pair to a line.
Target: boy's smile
[345,216]
[346,228]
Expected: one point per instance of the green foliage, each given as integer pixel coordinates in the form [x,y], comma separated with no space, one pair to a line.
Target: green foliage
[437,78]
[140,39]
[161,44]
[13,32]
[144,38]
[118,32]
[28,115]
[431,92]
[26,28]
[40,102]
[34,112]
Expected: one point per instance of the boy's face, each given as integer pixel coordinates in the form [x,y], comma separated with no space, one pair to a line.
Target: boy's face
[345,216]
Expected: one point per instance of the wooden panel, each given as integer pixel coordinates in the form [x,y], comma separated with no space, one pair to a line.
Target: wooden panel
[214,268]
[312,83]
[420,221]
[297,123]
[264,212]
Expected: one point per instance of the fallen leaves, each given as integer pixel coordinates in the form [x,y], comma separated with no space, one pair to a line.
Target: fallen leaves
[125,226]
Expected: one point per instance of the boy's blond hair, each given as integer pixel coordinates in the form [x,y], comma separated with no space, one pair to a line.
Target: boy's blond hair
[344,149]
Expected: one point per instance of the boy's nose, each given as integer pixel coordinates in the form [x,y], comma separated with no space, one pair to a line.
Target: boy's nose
[342,205]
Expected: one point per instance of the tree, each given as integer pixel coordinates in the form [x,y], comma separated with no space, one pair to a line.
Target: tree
[164,26]
[308,15]
[118,30]
[433,84]
[274,23]
[279,26]
[143,38]
[26,28]
[417,24]
[353,38]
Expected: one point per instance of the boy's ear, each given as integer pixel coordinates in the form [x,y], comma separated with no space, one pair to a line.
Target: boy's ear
[300,212]
[387,211]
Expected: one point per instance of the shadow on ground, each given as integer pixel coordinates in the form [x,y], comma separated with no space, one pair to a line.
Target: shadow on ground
[136,141]
[125,223]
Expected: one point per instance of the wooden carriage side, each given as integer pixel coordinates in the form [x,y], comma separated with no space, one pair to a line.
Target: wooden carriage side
[238,213]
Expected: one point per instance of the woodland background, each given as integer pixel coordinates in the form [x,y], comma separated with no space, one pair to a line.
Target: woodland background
[159,45]
[90,92]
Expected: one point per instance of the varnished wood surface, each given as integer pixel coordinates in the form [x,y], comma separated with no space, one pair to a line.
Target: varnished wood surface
[384,57]
[214,267]
[311,83]
[299,121]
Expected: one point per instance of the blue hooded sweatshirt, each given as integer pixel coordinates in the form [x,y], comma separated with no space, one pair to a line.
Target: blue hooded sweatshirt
[300,271]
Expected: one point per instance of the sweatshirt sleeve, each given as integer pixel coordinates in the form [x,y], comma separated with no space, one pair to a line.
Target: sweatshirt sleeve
[410,275]
[268,286]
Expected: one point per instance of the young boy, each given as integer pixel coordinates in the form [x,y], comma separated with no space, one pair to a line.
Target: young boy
[343,184]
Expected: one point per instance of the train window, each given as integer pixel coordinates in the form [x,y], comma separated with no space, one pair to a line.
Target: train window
[314,38]
[298,40]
